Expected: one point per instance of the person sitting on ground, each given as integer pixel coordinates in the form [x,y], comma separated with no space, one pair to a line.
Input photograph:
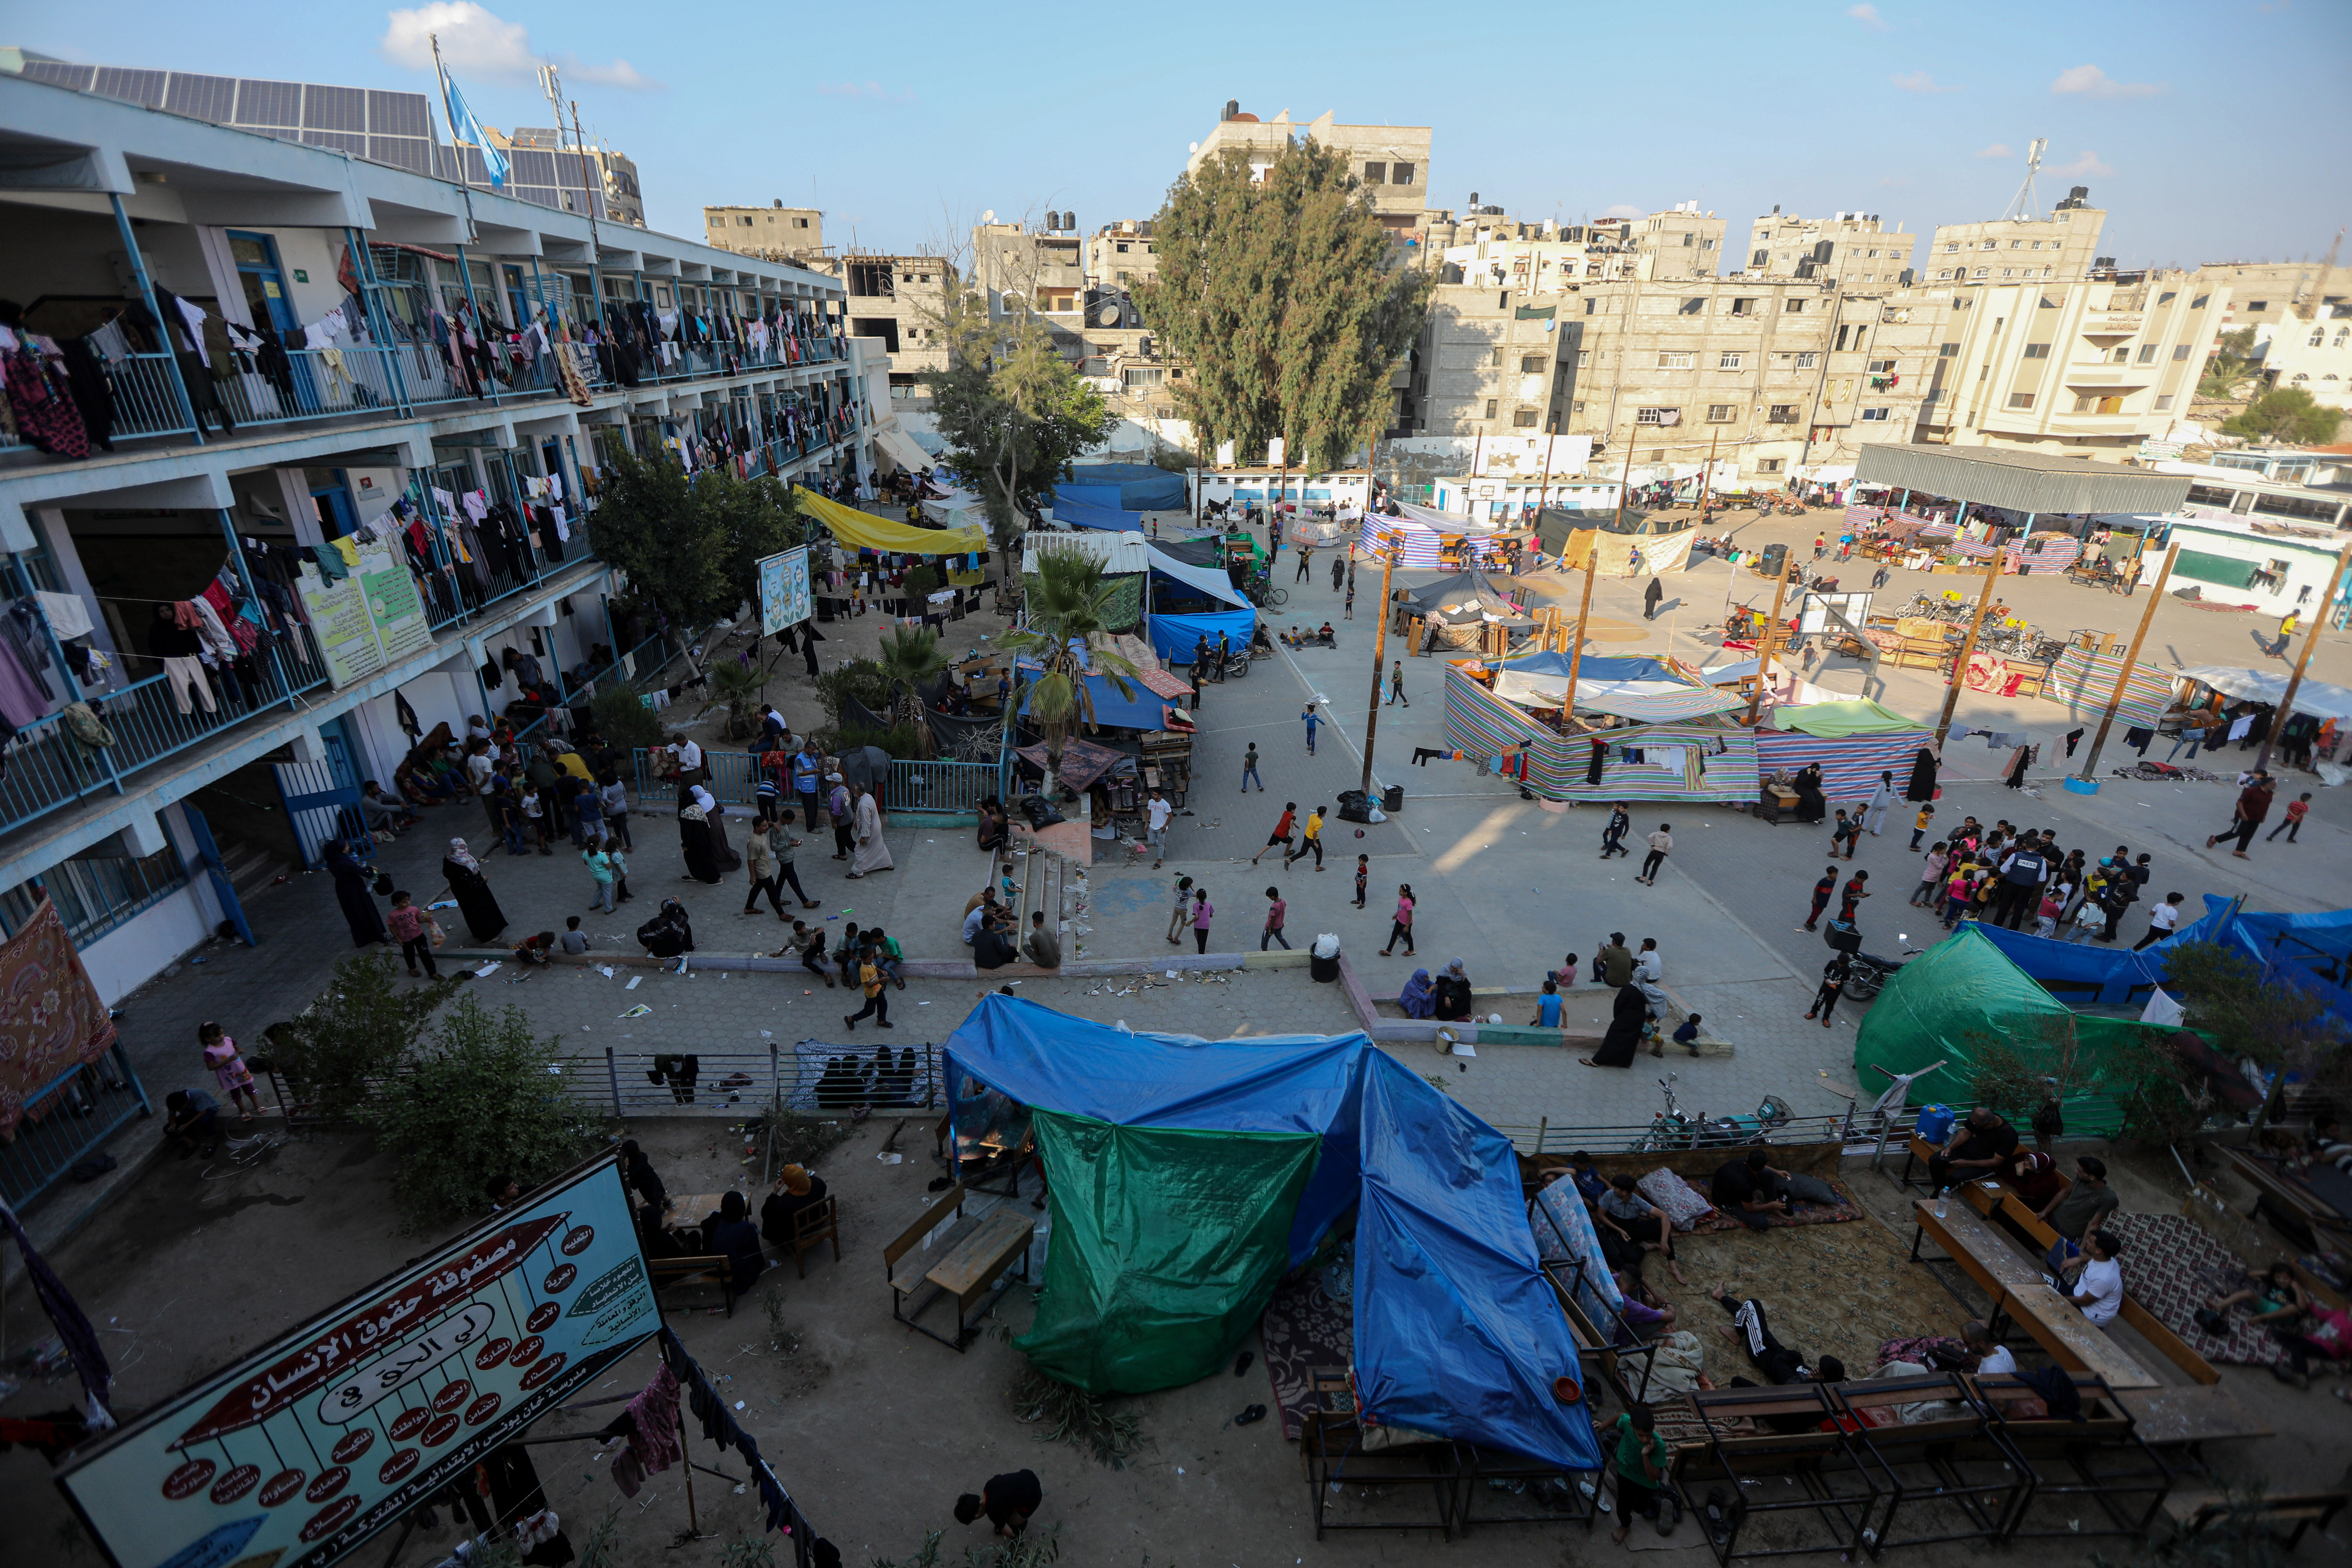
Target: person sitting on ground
[2326,1336]
[534,951]
[977,911]
[1647,1316]
[1627,1211]
[1453,994]
[2078,1209]
[1750,1191]
[1044,947]
[574,941]
[995,827]
[796,1189]
[669,933]
[1993,1358]
[1686,1033]
[2276,1300]
[730,1234]
[380,812]
[1978,1148]
[1326,636]
[1589,1183]
[2097,1279]
[1418,997]
[191,1122]
[992,945]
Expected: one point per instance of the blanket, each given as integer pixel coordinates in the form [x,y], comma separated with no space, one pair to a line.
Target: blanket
[1304,1333]
[2172,1265]
[1847,1208]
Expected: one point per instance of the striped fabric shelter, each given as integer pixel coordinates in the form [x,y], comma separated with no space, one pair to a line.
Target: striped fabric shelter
[1717,757]
[2083,683]
[1850,763]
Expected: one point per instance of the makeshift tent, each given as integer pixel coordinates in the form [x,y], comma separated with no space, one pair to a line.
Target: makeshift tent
[1420,535]
[1637,689]
[1187,1176]
[864,531]
[895,444]
[1141,487]
[1837,720]
[1464,598]
[1703,758]
[2314,950]
[2083,683]
[1623,555]
[1850,763]
[1200,550]
[1119,553]
[1206,603]
[1137,708]
[1079,513]
[2317,698]
[2108,976]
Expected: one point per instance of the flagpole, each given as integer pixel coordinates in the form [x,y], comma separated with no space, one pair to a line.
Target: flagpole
[457,155]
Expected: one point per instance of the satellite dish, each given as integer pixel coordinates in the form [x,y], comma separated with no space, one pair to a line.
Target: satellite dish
[1107,316]
[988,217]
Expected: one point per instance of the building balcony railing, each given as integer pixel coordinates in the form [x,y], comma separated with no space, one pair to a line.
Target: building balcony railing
[320,385]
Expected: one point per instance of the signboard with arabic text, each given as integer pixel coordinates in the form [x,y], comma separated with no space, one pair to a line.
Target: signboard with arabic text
[294,1456]
[784,599]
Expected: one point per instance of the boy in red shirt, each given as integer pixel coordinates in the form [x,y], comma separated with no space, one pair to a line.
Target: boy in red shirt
[2297,810]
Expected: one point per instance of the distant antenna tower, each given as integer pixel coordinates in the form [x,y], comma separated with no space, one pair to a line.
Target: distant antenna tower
[2022,208]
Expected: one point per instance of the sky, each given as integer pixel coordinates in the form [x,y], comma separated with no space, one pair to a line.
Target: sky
[2210,132]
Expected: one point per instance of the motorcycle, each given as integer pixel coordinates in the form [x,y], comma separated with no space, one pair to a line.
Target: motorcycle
[1867,972]
[1721,1131]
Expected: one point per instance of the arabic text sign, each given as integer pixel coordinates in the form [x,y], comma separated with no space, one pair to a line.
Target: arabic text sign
[784,591]
[298,1454]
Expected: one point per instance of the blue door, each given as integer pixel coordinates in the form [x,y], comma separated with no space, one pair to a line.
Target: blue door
[337,515]
[208,852]
[267,303]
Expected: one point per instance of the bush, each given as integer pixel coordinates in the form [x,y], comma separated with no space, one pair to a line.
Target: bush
[862,679]
[624,719]
[483,1099]
[364,1028]
[900,740]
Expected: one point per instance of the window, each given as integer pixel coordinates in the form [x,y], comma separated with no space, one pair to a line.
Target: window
[1720,413]
[2037,351]
[2253,305]
[2123,354]
[1590,305]
[1762,259]
[1947,351]
[2146,354]
[1584,359]
[1400,173]
[1657,417]
[1807,360]
[800,223]
[1846,332]
[1983,272]
[2199,302]
[1497,359]
[1769,466]
[1579,407]
[1524,418]
[2084,405]
[1781,414]
[2019,244]
[1689,240]
[1143,377]
[2163,401]
[1730,361]
[1876,416]
[1490,408]
[1531,364]
[1791,307]
[1675,359]
[1950,246]
[2036,246]
[2020,400]
[1743,307]
[1881,368]
[1692,308]
[2179,351]
[2048,303]
[1991,244]
[2318,336]
[1376,173]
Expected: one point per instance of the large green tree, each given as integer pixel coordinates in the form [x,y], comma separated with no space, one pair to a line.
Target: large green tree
[1013,411]
[1289,302]
[691,546]
[2289,414]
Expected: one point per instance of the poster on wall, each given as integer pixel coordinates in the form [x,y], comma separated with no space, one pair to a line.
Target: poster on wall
[339,621]
[295,1455]
[784,598]
[396,608]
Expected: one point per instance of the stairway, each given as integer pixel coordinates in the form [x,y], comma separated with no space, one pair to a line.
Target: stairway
[1048,882]
[250,868]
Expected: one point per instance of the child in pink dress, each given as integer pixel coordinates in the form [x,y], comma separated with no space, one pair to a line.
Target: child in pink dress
[234,1078]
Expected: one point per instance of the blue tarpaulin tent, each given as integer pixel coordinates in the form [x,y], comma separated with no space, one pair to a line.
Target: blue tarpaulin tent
[1141,487]
[1079,513]
[1149,1283]
[1174,634]
[1173,638]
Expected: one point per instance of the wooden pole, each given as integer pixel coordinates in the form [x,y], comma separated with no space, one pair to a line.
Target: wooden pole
[1967,647]
[2310,641]
[690,1522]
[1591,570]
[2131,660]
[1766,643]
[1379,657]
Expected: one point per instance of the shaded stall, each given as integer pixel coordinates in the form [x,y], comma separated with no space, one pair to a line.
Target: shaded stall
[1635,737]
[1190,602]
[1852,743]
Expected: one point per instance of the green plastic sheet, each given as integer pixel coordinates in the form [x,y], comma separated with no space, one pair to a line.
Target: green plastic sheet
[1835,720]
[1167,1245]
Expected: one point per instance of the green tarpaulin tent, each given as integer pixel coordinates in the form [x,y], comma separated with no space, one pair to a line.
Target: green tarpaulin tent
[1836,720]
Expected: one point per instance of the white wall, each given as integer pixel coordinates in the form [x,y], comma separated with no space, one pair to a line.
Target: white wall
[136,952]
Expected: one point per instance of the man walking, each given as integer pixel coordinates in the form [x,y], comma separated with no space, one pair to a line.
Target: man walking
[1613,838]
[1281,834]
[1396,682]
[1823,890]
[1159,811]
[1305,555]
[2254,805]
[1662,843]
[1314,723]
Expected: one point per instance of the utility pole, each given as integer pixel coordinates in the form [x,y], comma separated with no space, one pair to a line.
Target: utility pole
[2131,660]
[1380,658]
[2310,641]
[1706,475]
[1766,644]
[1967,647]
[1591,570]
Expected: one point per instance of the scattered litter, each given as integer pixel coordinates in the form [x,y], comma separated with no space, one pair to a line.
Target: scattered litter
[639,1011]
[890,1159]
[444,904]
[635,981]
[606,970]
[923,1004]
[482,973]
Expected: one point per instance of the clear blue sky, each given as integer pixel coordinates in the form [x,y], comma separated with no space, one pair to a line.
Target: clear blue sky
[2208,130]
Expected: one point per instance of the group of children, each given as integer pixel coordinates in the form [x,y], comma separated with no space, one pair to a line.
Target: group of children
[1964,877]
[870,960]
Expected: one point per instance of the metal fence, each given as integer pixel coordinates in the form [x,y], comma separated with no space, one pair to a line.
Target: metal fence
[1665,1134]
[733,778]
[66,1121]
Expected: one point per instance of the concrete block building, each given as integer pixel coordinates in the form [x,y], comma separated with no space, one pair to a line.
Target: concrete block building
[360,414]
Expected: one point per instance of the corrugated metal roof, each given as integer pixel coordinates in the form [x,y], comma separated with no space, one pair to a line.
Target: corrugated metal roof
[2021,481]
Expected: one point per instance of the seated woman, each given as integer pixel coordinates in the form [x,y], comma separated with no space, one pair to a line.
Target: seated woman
[1453,993]
[1419,997]
[730,1234]
[669,933]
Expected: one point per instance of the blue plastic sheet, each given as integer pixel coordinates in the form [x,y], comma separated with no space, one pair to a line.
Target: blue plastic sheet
[2118,976]
[1082,514]
[2298,945]
[1457,1332]
[1173,638]
[1144,710]
[1142,487]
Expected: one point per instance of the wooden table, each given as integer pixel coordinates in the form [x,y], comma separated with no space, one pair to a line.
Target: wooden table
[2176,1414]
[691,1209]
[986,1251]
[2016,1288]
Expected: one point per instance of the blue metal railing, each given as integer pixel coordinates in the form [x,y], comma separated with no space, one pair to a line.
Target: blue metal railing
[734,780]
[65,1120]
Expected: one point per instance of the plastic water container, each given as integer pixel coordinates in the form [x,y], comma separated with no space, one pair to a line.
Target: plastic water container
[1936,1123]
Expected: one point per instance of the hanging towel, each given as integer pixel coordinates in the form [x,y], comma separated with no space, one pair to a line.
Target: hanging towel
[69,614]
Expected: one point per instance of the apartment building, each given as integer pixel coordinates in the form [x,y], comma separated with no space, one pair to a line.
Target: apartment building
[772,232]
[1855,247]
[2265,292]
[377,522]
[2062,247]
[1018,267]
[1121,256]
[1679,243]
[1393,160]
[900,303]
[547,168]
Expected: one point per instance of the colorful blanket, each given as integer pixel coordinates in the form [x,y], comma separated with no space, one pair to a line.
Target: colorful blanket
[2172,1265]
[1305,1332]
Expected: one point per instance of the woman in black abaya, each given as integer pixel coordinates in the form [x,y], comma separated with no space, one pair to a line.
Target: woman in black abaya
[1922,785]
[352,892]
[1624,1040]
[472,891]
[1811,806]
[694,840]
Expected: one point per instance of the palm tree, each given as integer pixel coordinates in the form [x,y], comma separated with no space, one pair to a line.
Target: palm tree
[1066,612]
[911,659]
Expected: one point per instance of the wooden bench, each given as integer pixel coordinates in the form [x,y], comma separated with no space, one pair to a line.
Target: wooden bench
[2192,1513]
[2097,1461]
[1745,1441]
[967,1272]
[1950,1458]
[1337,1447]
[2020,1293]
[687,1270]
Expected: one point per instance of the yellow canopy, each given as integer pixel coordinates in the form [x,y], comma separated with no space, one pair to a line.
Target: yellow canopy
[864,531]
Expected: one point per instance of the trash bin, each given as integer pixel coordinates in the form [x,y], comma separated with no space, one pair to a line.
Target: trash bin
[1392,799]
[1323,958]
